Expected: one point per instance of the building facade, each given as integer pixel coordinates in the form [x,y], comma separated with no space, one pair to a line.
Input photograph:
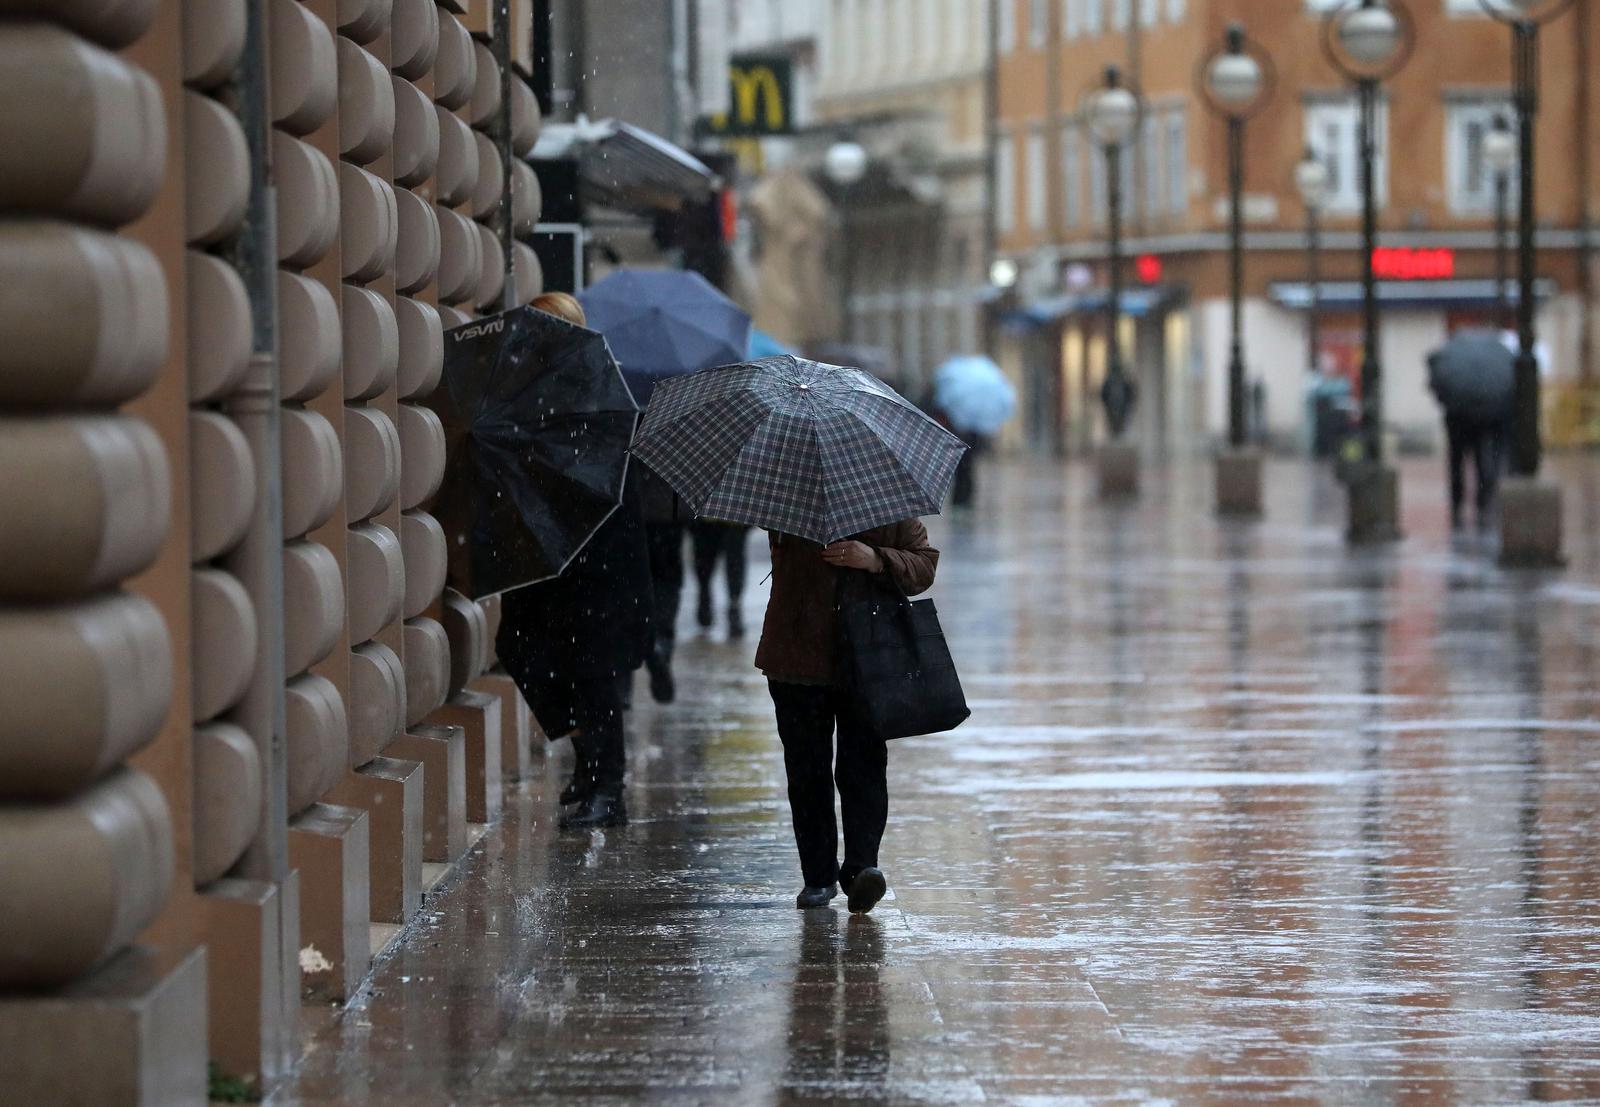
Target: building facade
[1436,214]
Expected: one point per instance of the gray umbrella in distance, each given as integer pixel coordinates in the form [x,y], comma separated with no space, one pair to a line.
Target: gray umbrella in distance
[1474,376]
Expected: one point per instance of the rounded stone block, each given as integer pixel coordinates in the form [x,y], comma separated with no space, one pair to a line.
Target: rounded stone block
[466,629]
[491,272]
[416,134]
[307,201]
[216,169]
[372,462]
[312,478]
[460,257]
[455,69]
[416,258]
[82,686]
[223,650]
[427,654]
[527,199]
[310,339]
[485,198]
[423,544]
[485,99]
[529,271]
[316,740]
[114,23]
[85,502]
[83,877]
[366,104]
[413,37]
[222,484]
[375,580]
[363,20]
[219,327]
[369,221]
[526,120]
[213,40]
[305,67]
[227,798]
[421,348]
[377,700]
[82,132]
[113,291]
[313,605]
[371,343]
[453,316]
[422,454]
[457,172]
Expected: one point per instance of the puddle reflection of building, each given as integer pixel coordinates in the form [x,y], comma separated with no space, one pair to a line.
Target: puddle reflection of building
[838,1040]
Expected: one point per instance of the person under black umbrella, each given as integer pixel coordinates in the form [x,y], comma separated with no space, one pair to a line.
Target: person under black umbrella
[1473,378]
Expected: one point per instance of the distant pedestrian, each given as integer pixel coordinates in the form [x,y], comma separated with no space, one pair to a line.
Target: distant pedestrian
[1472,376]
[715,541]
[798,654]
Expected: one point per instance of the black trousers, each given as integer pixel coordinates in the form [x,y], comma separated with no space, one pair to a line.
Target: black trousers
[807,718]
[1484,443]
[665,543]
[724,540]
[587,707]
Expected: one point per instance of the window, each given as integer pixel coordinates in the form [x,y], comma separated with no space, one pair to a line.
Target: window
[1469,178]
[1149,12]
[1007,30]
[1005,184]
[1094,17]
[1038,182]
[1038,23]
[1175,10]
[1332,130]
[1071,176]
[1097,181]
[1150,155]
[1177,159]
[1121,14]
[1071,18]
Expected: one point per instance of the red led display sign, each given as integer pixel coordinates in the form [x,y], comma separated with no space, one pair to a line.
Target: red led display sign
[1148,267]
[1406,263]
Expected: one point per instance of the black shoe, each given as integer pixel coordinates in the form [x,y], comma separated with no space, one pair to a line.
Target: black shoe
[810,897]
[603,807]
[866,889]
[662,687]
[735,622]
[703,613]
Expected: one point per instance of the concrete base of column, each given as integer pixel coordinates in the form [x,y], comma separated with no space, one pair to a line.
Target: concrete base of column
[479,715]
[1530,524]
[1118,464]
[132,1032]
[390,792]
[254,1033]
[1239,483]
[1374,505]
[442,752]
[331,847]
[516,724]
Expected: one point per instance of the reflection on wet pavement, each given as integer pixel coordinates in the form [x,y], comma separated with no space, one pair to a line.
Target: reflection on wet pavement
[1240,817]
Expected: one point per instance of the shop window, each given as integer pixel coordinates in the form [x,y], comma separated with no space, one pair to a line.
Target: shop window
[1471,180]
[1332,129]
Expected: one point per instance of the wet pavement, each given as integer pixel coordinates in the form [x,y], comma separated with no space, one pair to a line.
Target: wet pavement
[1240,817]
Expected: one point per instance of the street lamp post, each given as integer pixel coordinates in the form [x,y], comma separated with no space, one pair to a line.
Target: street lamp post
[1368,41]
[1530,517]
[1500,154]
[1311,181]
[1111,110]
[1235,83]
[845,164]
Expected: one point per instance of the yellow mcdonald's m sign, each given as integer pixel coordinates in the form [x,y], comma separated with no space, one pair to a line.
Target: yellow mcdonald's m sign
[761,90]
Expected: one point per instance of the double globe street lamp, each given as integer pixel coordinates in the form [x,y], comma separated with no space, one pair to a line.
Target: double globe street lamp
[1236,83]
[1530,514]
[1369,41]
[1111,111]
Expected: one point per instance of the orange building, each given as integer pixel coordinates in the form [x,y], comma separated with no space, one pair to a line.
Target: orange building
[1436,216]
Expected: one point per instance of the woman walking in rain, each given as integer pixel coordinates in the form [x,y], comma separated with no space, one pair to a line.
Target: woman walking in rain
[816,710]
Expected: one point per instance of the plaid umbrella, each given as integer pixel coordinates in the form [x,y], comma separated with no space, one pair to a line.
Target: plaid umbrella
[796,446]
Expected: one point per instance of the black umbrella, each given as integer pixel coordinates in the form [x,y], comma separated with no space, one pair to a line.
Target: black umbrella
[537,426]
[1474,376]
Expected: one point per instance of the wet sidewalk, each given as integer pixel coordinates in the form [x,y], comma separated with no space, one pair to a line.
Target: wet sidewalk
[1240,817]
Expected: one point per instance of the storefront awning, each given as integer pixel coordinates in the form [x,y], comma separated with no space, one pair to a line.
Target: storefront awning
[1136,302]
[1417,295]
[627,167]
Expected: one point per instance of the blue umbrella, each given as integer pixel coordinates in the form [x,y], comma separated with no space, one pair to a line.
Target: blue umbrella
[763,345]
[662,323]
[974,394]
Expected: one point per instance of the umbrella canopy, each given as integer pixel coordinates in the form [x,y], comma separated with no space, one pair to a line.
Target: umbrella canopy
[1473,375]
[974,394]
[665,322]
[537,425]
[796,446]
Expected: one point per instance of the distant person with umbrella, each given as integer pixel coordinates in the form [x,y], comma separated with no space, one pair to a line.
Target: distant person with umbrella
[662,323]
[972,397]
[1472,376]
[836,466]
[540,491]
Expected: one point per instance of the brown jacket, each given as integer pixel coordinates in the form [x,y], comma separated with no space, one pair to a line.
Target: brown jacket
[798,636]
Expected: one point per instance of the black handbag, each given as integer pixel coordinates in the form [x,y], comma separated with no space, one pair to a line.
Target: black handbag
[896,662]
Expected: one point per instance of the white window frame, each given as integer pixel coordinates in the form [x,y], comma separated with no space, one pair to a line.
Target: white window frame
[1038,23]
[1005,183]
[1099,206]
[1149,12]
[1175,156]
[1094,17]
[1153,194]
[1460,115]
[1071,176]
[1036,166]
[1340,113]
[1121,14]
[1176,10]
[1071,19]
[1006,32]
